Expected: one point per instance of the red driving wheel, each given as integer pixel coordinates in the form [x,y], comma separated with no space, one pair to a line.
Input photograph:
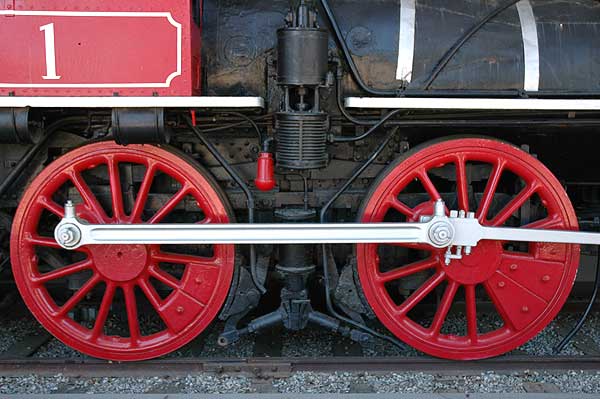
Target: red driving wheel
[526,285]
[184,291]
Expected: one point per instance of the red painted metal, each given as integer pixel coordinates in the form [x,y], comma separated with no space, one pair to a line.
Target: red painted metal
[527,289]
[196,297]
[99,48]
[265,172]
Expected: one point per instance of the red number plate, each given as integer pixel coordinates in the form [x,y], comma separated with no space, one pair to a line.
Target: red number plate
[52,49]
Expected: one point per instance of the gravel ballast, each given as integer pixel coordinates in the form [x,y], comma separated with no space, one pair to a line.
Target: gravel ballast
[316,383]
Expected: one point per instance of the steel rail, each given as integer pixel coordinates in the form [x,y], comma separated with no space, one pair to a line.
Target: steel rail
[282,366]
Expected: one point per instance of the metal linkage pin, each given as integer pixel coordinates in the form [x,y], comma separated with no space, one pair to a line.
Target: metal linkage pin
[468,249]
[67,234]
[458,253]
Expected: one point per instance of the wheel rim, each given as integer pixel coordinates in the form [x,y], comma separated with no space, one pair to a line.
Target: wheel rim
[526,287]
[183,292]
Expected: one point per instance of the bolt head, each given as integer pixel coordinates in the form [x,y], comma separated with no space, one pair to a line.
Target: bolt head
[68,235]
[441,234]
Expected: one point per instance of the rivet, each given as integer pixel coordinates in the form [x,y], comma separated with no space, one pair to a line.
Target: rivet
[525,309]
[513,267]
[199,280]
[546,278]
[180,309]
[501,284]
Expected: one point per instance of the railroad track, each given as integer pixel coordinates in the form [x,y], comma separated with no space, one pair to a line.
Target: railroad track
[282,367]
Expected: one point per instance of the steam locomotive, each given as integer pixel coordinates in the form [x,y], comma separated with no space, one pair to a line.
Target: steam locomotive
[405,162]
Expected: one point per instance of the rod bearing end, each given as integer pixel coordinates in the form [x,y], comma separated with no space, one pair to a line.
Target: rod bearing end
[441,234]
[68,235]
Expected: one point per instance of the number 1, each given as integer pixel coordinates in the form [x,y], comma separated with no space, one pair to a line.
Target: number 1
[50,52]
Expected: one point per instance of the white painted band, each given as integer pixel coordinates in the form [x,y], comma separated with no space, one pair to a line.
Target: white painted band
[531,46]
[132,102]
[406,40]
[526,104]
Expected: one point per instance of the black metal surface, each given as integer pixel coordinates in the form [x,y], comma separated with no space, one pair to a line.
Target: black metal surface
[15,127]
[140,126]
[240,38]
[247,192]
[35,149]
[325,250]
[464,39]
[302,56]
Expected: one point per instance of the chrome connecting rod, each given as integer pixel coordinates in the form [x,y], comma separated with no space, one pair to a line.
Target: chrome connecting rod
[459,233]
[72,233]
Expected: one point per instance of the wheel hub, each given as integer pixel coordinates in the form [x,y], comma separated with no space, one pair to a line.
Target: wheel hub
[477,267]
[120,263]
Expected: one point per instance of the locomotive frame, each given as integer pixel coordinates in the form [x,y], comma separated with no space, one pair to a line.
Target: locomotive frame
[453,210]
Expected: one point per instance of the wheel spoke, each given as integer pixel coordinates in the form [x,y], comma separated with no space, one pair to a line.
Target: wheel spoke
[420,294]
[88,197]
[180,259]
[428,185]
[164,278]
[103,311]
[514,205]
[169,205]
[444,307]
[144,191]
[462,184]
[408,270]
[415,246]
[549,223]
[132,314]
[116,191]
[471,312]
[490,190]
[79,295]
[155,301]
[151,295]
[52,206]
[63,272]
[401,207]
[43,242]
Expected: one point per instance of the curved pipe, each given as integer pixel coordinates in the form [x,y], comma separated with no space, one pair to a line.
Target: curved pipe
[348,57]
[248,193]
[323,219]
[465,38]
